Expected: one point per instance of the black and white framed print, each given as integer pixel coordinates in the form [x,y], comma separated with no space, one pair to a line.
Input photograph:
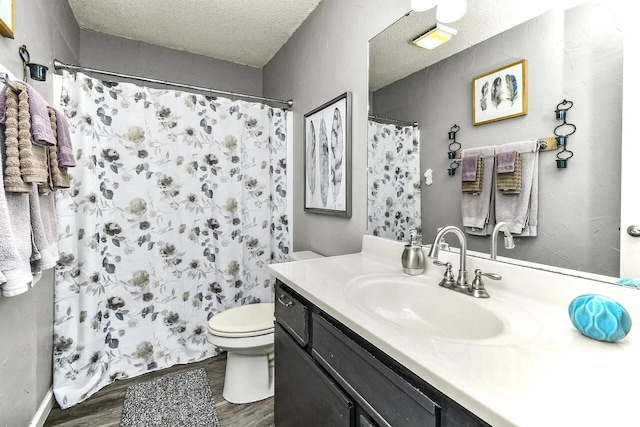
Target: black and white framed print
[327,166]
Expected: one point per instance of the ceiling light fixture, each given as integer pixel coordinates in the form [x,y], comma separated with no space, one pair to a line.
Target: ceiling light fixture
[435,37]
[451,10]
[422,5]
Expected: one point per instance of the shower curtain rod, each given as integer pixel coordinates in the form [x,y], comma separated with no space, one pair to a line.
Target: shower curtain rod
[396,121]
[58,65]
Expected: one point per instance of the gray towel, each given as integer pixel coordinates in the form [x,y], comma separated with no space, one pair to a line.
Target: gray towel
[520,211]
[15,272]
[38,237]
[476,208]
[49,252]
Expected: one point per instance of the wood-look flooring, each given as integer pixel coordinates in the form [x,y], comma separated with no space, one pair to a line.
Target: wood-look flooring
[104,408]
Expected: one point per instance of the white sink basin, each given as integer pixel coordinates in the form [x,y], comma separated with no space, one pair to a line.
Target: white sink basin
[419,305]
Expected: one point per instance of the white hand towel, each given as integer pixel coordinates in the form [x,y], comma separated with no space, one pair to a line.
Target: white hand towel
[19,279]
[520,211]
[476,209]
[15,250]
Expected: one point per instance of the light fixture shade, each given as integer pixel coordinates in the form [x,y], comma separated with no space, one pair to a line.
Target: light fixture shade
[451,10]
[422,5]
[435,37]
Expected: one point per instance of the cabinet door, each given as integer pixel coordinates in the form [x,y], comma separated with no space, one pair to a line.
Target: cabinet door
[304,395]
[388,398]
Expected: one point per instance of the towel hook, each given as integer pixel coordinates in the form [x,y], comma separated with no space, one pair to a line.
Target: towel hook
[37,71]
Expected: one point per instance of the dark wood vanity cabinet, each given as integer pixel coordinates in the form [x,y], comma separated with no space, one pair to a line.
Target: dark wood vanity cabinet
[305,395]
[328,376]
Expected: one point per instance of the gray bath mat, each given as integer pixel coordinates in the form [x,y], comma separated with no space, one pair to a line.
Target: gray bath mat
[181,400]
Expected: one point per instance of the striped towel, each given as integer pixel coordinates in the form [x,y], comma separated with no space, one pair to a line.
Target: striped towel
[511,182]
[475,187]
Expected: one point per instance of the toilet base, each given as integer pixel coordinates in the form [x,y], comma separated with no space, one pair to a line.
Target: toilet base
[248,377]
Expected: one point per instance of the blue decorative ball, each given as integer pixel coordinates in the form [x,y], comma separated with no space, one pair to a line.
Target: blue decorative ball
[599,317]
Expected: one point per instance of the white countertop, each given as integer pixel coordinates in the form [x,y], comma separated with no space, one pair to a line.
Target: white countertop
[550,375]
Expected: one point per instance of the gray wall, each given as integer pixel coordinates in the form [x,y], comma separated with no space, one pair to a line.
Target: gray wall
[105,52]
[575,56]
[324,58]
[49,30]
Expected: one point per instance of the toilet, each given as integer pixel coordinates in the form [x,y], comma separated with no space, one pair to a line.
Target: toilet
[246,334]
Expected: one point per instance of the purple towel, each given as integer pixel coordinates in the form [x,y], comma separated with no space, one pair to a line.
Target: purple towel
[65,149]
[41,132]
[507,161]
[3,104]
[469,167]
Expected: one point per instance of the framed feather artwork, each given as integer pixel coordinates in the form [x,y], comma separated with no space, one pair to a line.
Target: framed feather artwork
[500,94]
[327,162]
[7,18]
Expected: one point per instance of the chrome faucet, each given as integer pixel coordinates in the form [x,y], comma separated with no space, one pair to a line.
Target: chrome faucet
[461,283]
[508,239]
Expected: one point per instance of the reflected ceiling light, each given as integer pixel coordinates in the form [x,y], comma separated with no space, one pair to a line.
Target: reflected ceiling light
[451,10]
[422,5]
[435,37]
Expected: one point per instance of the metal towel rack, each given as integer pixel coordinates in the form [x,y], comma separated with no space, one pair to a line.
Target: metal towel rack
[4,78]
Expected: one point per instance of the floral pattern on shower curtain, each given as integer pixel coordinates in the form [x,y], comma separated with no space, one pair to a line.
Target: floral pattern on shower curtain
[177,206]
[393,201]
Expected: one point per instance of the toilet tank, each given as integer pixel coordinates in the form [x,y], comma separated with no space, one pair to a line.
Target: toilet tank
[302,255]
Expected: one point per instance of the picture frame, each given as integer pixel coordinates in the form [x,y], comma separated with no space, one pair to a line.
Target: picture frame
[7,18]
[327,161]
[500,94]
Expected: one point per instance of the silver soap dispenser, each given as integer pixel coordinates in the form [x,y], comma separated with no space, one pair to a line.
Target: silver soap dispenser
[412,256]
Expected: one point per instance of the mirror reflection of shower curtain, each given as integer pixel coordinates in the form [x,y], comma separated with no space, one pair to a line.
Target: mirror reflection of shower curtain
[393,180]
[177,206]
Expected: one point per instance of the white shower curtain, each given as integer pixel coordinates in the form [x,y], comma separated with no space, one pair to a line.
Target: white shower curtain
[393,164]
[177,206]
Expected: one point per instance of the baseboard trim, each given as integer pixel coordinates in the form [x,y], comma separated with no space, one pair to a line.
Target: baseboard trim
[41,415]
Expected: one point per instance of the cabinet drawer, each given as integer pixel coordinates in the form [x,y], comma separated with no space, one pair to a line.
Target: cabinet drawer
[292,314]
[304,395]
[388,398]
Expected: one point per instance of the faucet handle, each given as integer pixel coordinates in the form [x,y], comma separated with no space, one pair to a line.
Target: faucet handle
[448,280]
[477,286]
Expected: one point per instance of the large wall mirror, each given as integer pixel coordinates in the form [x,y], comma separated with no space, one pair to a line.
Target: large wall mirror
[573,52]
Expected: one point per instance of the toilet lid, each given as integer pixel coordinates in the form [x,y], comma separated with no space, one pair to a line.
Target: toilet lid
[246,320]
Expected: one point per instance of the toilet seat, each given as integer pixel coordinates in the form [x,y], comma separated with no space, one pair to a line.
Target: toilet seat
[244,321]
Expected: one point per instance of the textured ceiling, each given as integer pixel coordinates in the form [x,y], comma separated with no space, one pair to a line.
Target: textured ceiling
[250,32]
[247,32]
[393,57]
